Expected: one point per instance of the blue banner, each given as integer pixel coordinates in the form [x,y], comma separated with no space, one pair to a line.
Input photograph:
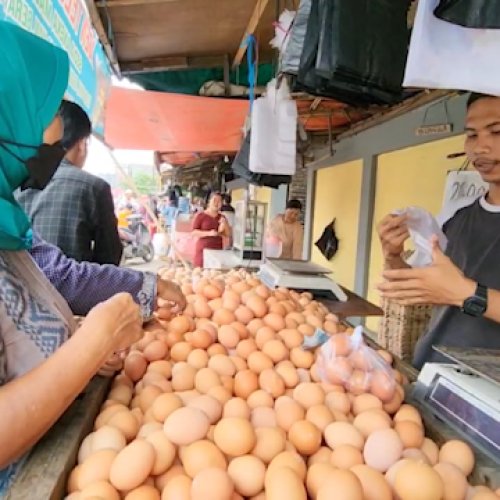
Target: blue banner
[67,24]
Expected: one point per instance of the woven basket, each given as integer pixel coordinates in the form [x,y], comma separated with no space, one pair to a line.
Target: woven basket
[401,327]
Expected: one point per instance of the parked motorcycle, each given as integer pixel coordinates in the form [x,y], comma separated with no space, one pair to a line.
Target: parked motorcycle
[136,239]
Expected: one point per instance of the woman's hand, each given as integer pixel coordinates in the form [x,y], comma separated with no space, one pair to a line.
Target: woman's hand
[113,364]
[169,299]
[118,319]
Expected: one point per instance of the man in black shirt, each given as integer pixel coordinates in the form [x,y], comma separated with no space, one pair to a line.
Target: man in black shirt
[75,211]
[464,284]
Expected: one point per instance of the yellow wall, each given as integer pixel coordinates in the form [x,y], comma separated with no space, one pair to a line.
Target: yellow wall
[338,194]
[262,194]
[412,176]
[237,194]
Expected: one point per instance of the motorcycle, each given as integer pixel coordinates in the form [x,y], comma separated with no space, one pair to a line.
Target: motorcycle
[136,239]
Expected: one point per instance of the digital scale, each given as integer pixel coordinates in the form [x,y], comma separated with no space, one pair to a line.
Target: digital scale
[300,275]
[465,394]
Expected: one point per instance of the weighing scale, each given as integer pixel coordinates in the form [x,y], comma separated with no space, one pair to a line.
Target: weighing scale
[466,394]
[300,275]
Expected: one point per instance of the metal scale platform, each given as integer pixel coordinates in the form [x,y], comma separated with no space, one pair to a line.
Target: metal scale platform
[300,275]
[465,394]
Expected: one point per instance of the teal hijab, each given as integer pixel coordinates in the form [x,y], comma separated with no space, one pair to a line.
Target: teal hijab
[33,79]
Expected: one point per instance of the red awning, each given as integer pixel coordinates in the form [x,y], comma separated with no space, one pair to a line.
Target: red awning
[174,123]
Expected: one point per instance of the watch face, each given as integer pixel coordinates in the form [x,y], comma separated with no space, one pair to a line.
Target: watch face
[474,306]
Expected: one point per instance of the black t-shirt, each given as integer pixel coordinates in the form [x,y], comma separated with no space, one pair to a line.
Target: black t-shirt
[474,246]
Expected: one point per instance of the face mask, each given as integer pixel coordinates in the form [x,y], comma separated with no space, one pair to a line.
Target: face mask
[42,166]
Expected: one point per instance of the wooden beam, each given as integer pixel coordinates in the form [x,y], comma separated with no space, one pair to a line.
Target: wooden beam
[103,36]
[128,3]
[169,63]
[258,11]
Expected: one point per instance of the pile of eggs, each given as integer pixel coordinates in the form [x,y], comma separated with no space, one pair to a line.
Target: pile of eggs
[222,403]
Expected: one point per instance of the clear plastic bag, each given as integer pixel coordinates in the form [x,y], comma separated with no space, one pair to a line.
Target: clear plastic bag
[347,361]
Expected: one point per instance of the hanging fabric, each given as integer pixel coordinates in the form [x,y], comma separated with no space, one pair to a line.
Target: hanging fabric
[482,14]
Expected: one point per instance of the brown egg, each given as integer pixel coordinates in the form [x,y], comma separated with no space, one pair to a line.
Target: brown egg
[382,386]
[305,436]
[260,398]
[234,436]
[202,455]
[216,305]
[180,351]
[216,349]
[162,480]
[411,434]
[458,453]
[248,474]
[341,484]
[132,465]
[275,321]
[383,448]
[245,382]
[316,476]
[263,417]
[212,484]
[331,327]
[188,396]
[301,358]
[155,351]
[108,437]
[258,362]
[374,485]
[408,412]
[431,450]
[322,456]
[255,325]
[126,423]
[223,317]
[179,488]
[239,363]
[244,314]
[148,429]
[362,359]
[291,337]
[241,329]
[288,373]
[257,305]
[291,460]
[221,394]
[228,336]
[134,366]
[454,482]
[210,406]
[365,402]
[180,324]
[306,329]
[99,489]
[279,309]
[163,367]
[148,396]
[96,468]
[269,443]
[359,382]
[341,345]
[271,382]
[246,347]
[320,416]
[371,421]
[236,407]
[395,403]
[262,291]
[121,394]
[338,370]
[201,339]
[164,405]
[346,456]
[416,480]
[264,335]
[198,359]
[222,365]
[201,308]
[288,413]
[338,401]
[276,350]
[342,433]
[211,291]
[183,377]
[309,394]
[284,483]
[186,425]
[144,492]
[205,379]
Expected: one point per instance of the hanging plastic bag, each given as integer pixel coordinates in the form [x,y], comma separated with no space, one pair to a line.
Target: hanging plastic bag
[273,142]
[347,361]
[480,14]
[446,56]
[282,30]
[422,226]
[328,243]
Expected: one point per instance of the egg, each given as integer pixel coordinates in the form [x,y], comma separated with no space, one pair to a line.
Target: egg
[408,412]
[317,475]
[306,329]
[358,382]
[216,349]
[374,485]
[165,452]
[144,492]
[309,394]
[271,382]
[290,460]
[417,481]
[291,337]
[220,393]
[244,314]
[164,405]
[320,416]
[163,367]
[258,362]
[341,345]
[458,453]
[222,365]
[264,335]
[237,407]
[186,425]
[342,433]
[180,351]
[126,423]
[132,465]
[410,433]
[241,329]
[269,443]
[96,467]
[284,483]
[247,474]
[382,449]
[263,417]
[395,403]
[135,366]
[382,386]
[202,455]
[180,324]
[201,308]
[228,336]
[454,482]
[341,484]
[239,363]
[415,454]
[183,378]
[483,493]
[305,436]
[371,421]
[346,456]
[322,456]
[208,405]
[234,436]
[99,489]
[205,379]
[162,480]
[365,402]
[300,358]
[246,347]
[198,358]
[121,394]
[223,316]
[275,321]
[179,488]
[260,398]
[338,401]
[148,429]
[255,325]
[212,484]
[338,370]
[201,339]
[245,382]
[108,437]
[431,450]
[155,351]
[276,350]
[288,413]
[288,373]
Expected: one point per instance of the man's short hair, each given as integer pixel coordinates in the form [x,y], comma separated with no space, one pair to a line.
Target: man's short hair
[77,125]
[475,96]
[294,204]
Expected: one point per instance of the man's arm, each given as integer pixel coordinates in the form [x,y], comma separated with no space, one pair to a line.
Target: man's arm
[393,233]
[85,284]
[298,242]
[108,248]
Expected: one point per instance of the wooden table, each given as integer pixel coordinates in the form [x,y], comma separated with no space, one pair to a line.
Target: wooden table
[354,307]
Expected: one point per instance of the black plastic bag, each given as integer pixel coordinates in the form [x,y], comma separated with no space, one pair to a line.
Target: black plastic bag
[483,14]
[328,243]
[240,169]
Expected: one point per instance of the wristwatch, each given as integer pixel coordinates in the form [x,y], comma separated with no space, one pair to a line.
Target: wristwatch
[478,303]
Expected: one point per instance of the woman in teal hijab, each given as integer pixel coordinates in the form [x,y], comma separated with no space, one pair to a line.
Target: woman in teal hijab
[44,362]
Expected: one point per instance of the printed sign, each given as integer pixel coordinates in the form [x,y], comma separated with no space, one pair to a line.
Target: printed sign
[67,24]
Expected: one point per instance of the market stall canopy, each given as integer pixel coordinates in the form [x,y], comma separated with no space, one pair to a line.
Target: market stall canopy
[173,123]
